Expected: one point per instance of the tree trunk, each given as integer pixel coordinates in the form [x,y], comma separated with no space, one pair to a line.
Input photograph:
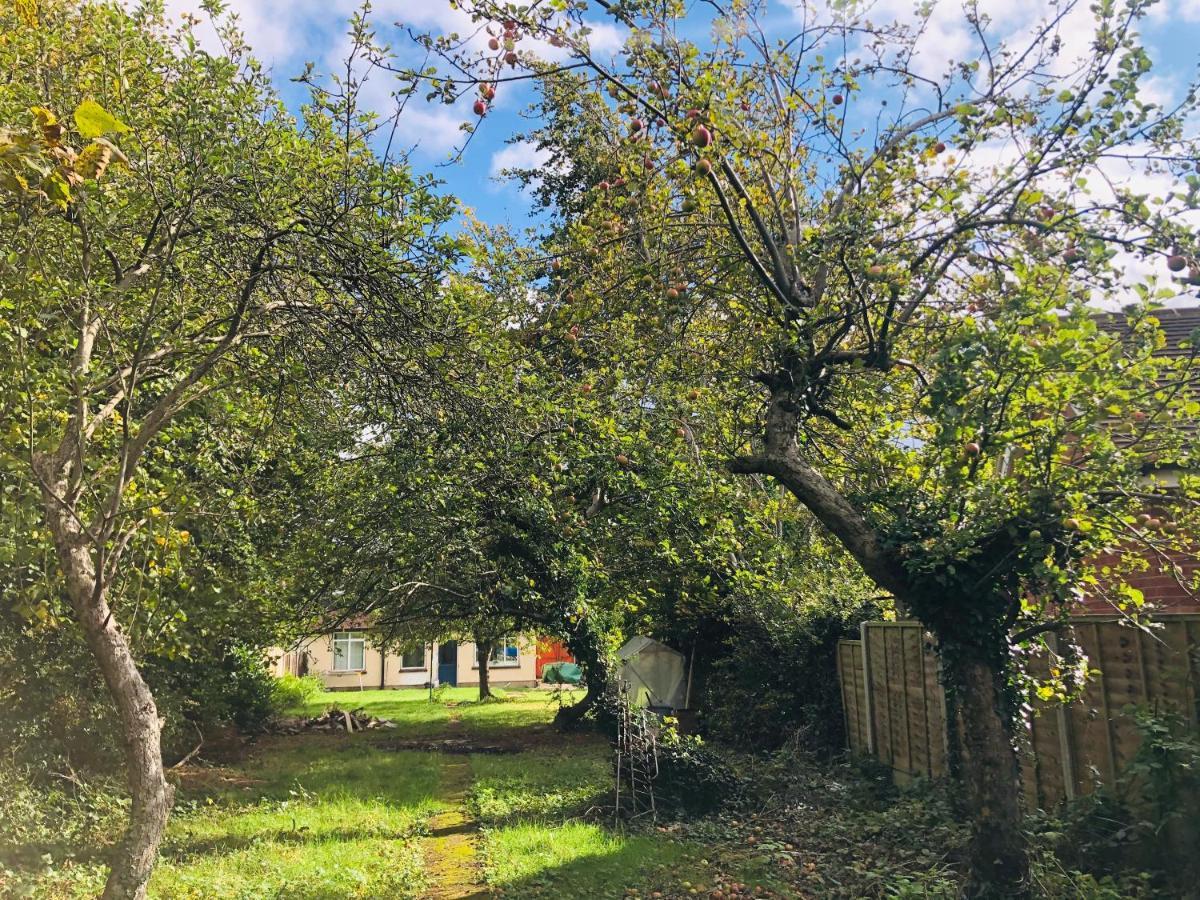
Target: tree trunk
[586,650]
[988,771]
[999,864]
[149,791]
[483,651]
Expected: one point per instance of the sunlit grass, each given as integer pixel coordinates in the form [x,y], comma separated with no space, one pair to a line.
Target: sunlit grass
[308,819]
[416,715]
[340,816]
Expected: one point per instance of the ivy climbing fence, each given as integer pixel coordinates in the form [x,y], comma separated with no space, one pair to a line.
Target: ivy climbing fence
[895,708]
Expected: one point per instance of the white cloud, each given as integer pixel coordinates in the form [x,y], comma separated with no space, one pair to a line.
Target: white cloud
[520,155]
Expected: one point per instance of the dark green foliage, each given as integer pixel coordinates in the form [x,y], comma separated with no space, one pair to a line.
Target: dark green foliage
[59,718]
[1149,820]
[229,686]
[694,778]
[775,682]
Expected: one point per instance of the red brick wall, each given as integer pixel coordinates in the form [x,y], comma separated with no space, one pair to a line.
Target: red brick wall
[1166,588]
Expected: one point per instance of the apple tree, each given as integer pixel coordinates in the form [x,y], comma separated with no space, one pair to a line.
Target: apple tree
[878,288]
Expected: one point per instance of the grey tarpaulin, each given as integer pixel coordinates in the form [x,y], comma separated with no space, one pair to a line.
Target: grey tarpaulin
[654,673]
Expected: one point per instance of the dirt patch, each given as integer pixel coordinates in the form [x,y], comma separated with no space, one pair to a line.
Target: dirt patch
[535,737]
[213,779]
[450,852]
[454,746]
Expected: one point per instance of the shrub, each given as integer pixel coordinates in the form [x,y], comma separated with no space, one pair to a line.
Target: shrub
[775,683]
[211,687]
[292,691]
[693,777]
[1148,820]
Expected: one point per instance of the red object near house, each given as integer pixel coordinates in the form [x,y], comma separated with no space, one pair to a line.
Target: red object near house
[550,651]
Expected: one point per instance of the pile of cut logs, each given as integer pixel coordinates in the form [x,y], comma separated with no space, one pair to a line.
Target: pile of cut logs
[340,720]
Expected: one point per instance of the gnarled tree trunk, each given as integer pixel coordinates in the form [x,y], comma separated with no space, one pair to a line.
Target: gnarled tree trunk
[986,761]
[149,791]
[988,771]
[588,653]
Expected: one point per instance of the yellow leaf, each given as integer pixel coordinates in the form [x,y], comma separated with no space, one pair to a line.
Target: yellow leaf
[27,12]
[93,120]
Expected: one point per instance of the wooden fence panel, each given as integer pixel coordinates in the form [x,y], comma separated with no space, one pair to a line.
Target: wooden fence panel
[854,694]
[906,701]
[895,706]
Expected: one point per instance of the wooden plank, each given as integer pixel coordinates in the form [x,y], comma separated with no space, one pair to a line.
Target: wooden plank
[869,688]
[908,764]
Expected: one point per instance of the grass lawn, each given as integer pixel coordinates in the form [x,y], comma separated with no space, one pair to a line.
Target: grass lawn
[339,816]
[418,717]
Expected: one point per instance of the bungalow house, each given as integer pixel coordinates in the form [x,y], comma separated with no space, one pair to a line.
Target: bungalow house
[352,659]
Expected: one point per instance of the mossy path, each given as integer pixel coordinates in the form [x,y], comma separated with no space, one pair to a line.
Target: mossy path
[451,866]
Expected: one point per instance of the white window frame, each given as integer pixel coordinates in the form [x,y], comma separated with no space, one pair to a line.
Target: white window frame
[349,639]
[414,649]
[504,662]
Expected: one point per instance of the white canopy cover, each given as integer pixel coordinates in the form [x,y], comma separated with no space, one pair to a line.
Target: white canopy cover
[654,673]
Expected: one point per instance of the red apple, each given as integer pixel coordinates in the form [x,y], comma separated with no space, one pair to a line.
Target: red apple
[604,185]
[636,125]
[671,293]
[875,272]
[480,108]
[1176,263]
[972,449]
[939,147]
[488,91]
[494,44]
[701,137]
[837,99]
[703,166]
[587,388]
[622,459]
[556,265]
[693,394]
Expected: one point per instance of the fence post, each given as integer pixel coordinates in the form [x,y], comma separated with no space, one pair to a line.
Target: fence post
[868,695]
[1064,733]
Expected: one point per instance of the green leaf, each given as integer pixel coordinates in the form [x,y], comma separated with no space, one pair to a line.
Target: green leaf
[93,120]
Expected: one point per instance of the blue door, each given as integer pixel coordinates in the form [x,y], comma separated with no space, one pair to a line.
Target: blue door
[448,663]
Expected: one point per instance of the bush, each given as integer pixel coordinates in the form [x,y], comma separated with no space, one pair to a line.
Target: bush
[1148,821]
[693,777]
[292,691]
[212,687]
[776,681]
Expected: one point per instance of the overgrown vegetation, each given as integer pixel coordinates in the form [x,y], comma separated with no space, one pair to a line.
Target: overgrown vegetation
[772,685]
[791,345]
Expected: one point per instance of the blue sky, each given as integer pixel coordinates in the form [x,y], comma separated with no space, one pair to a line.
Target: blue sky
[285,34]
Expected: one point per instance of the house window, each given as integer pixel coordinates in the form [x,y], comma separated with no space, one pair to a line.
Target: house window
[412,657]
[505,653]
[348,651]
